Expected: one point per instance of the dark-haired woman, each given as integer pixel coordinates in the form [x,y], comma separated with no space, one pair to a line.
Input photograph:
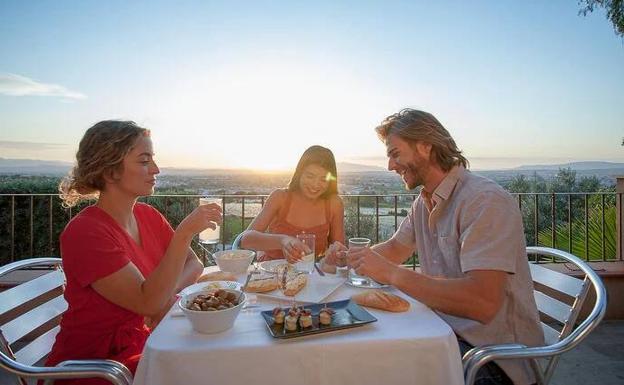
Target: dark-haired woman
[310,204]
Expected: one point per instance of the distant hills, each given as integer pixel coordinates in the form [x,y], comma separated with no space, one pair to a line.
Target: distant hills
[33,167]
[356,167]
[48,167]
[578,166]
[51,167]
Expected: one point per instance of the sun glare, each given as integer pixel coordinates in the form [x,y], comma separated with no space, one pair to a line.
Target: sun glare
[264,116]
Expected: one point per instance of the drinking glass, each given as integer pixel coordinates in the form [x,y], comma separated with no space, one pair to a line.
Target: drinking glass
[342,268]
[354,278]
[306,264]
[210,236]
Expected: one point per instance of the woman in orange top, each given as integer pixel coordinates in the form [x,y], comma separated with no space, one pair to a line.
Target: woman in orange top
[310,204]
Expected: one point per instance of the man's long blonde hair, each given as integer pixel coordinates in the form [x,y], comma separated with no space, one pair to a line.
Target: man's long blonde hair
[415,125]
[101,151]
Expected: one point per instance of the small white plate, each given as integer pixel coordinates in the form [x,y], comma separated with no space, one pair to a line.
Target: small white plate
[315,291]
[271,266]
[210,285]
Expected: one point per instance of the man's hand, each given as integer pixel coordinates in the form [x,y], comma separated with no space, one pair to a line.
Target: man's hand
[371,264]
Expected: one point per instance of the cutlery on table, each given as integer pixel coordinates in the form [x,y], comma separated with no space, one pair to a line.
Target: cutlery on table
[318,269]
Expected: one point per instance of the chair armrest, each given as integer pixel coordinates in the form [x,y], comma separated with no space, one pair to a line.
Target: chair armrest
[479,356]
[237,241]
[475,358]
[121,368]
[489,348]
[102,369]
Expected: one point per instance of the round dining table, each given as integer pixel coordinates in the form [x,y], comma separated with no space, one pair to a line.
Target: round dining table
[412,347]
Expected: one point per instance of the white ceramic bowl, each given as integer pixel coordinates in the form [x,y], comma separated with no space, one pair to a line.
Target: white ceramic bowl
[209,322]
[234,261]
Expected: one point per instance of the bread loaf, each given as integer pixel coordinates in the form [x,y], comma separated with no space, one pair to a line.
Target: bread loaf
[217,276]
[293,286]
[261,285]
[379,299]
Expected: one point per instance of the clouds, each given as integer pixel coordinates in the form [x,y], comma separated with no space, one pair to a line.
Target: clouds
[30,146]
[16,150]
[17,85]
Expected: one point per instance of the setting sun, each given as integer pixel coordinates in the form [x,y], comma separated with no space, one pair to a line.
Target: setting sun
[265,115]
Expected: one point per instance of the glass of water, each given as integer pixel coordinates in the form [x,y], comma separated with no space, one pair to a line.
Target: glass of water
[210,236]
[355,279]
[306,264]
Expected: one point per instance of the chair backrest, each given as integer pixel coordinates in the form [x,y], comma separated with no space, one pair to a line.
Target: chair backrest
[30,312]
[559,299]
[237,240]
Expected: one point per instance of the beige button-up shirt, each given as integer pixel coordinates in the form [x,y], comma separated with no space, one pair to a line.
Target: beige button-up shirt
[474,224]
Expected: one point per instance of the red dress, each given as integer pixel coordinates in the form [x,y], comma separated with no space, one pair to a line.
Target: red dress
[94,246]
[281,226]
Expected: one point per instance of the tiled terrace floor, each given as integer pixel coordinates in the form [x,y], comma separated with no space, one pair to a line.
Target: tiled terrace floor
[598,360]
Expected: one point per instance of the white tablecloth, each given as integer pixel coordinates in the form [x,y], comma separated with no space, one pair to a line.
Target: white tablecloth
[415,347]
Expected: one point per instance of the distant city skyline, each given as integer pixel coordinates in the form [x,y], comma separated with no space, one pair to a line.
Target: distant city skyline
[252,84]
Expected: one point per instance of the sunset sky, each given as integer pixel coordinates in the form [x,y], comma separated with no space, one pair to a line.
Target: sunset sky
[252,84]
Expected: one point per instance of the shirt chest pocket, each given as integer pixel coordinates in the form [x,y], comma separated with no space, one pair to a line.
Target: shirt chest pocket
[449,247]
[449,255]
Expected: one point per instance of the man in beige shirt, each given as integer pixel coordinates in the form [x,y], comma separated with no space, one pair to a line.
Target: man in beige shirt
[469,237]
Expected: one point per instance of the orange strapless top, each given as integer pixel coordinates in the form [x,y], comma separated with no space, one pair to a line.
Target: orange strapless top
[281,226]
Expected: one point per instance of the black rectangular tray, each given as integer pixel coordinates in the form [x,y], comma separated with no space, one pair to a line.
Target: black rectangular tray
[348,315]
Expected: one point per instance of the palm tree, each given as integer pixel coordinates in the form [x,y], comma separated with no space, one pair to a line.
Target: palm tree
[594,239]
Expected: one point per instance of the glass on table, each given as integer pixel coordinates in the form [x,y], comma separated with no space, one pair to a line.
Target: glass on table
[306,264]
[354,278]
[342,267]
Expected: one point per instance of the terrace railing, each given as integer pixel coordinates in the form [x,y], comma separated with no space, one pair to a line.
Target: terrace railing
[586,224]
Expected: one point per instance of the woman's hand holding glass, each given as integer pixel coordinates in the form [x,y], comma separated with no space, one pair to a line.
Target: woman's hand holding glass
[335,258]
[336,255]
[293,249]
[203,217]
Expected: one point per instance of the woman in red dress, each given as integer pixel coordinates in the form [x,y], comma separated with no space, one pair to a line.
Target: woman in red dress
[310,204]
[122,260]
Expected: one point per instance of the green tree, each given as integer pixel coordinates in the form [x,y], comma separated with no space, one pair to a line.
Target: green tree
[575,238]
[365,227]
[565,181]
[589,184]
[519,184]
[614,8]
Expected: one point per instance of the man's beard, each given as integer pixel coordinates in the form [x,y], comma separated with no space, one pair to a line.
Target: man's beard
[415,171]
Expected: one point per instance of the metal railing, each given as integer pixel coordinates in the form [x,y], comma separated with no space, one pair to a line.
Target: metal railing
[581,223]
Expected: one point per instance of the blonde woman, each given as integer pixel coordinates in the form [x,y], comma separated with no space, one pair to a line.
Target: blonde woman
[310,204]
[122,259]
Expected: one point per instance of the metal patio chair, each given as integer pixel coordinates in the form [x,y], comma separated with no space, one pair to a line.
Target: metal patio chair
[557,341]
[29,317]
[237,241]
